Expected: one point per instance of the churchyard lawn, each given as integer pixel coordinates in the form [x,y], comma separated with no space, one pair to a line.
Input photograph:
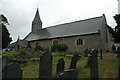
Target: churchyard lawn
[107,67]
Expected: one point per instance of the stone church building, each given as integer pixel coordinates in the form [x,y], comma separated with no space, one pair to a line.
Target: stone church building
[78,35]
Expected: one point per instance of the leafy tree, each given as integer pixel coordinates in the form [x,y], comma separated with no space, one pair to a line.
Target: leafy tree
[6,39]
[117,28]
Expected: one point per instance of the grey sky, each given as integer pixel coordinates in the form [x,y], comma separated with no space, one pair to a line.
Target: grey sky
[20,13]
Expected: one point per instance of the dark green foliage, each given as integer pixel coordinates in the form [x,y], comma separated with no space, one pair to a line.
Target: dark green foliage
[59,47]
[22,53]
[12,45]
[113,47]
[117,28]
[111,30]
[118,49]
[19,54]
[6,39]
[11,56]
[39,48]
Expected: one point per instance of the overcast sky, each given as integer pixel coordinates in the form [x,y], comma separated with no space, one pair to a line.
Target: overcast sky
[20,13]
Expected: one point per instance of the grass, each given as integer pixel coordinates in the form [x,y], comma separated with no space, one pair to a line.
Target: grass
[108,67]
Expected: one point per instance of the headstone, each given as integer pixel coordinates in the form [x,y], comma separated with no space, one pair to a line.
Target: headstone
[13,71]
[101,52]
[74,61]
[88,60]
[45,70]
[118,51]
[86,52]
[4,62]
[94,64]
[0,67]
[60,65]
[70,74]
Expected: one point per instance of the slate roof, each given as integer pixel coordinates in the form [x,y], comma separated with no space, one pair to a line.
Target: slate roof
[23,43]
[82,27]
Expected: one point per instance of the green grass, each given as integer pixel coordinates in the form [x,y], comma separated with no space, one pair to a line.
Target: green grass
[108,67]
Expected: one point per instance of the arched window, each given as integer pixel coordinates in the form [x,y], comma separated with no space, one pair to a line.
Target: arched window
[37,43]
[55,41]
[79,41]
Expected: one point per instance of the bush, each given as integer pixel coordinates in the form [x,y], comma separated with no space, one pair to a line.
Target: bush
[59,47]
[22,53]
[113,47]
[118,49]
[11,56]
[38,48]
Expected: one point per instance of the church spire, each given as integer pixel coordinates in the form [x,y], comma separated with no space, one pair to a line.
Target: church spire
[37,17]
[36,23]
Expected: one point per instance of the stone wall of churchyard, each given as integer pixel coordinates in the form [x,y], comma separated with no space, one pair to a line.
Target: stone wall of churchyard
[89,41]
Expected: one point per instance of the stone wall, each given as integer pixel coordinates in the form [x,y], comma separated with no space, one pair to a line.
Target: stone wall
[89,41]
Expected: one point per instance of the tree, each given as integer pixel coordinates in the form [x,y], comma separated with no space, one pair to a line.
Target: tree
[6,39]
[117,28]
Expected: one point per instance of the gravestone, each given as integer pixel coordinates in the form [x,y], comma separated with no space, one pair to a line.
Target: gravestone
[94,64]
[70,74]
[86,52]
[101,52]
[0,67]
[45,69]
[74,61]
[13,71]
[4,62]
[118,54]
[88,60]
[60,65]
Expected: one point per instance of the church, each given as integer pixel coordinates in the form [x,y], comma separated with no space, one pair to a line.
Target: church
[78,35]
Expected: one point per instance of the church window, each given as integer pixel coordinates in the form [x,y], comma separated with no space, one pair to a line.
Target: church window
[79,41]
[37,43]
[55,41]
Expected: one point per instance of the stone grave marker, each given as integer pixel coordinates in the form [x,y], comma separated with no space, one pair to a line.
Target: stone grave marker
[86,52]
[70,74]
[45,69]
[94,64]
[0,67]
[74,61]
[13,71]
[60,65]
[101,52]
[88,60]
[4,62]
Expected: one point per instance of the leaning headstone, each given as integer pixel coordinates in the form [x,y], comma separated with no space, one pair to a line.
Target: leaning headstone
[13,71]
[74,61]
[86,52]
[60,65]
[4,62]
[101,52]
[70,74]
[94,64]
[45,70]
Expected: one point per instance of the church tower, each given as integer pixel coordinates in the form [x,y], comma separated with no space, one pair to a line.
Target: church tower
[36,23]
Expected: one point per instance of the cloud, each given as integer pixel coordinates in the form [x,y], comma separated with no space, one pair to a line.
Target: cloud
[20,13]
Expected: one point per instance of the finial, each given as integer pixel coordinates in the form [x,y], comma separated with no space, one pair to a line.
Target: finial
[37,5]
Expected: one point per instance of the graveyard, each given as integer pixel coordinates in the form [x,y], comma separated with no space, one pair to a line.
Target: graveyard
[34,68]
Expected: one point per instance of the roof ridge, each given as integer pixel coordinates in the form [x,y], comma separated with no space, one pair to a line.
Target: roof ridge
[72,22]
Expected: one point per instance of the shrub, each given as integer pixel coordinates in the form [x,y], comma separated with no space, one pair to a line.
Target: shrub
[118,49]
[113,47]
[11,56]
[38,48]
[59,47]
